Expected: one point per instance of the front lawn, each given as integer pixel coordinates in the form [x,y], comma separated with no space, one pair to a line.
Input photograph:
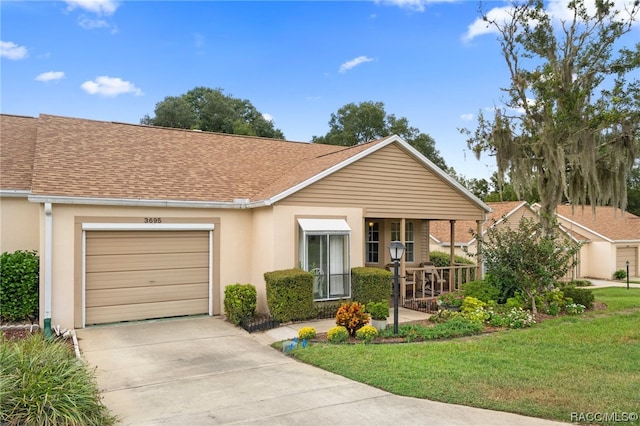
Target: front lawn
[557,369]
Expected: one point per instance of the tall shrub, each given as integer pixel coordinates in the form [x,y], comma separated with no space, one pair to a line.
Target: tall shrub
[240,302]
[290,294]
[19,281]
[371,285]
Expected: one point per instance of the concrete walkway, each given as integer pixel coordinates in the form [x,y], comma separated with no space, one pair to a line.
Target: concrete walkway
[204,371]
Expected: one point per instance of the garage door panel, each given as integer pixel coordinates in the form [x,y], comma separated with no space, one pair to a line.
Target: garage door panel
[141,262]
[143,245]
[106,314]
[627,253]
[123,279]
[137,295]
[134,275]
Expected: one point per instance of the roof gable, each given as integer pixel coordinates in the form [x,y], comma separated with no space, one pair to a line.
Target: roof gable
[605,222]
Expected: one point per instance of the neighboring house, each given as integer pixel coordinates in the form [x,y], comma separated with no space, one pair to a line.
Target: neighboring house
[610,238]
[465,241]
[137,222]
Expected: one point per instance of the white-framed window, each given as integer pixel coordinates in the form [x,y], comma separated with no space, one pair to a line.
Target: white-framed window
[409,241]
[324,250]
[373,242]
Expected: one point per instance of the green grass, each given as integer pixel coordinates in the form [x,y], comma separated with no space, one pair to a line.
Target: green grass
[43,383]
[588,363]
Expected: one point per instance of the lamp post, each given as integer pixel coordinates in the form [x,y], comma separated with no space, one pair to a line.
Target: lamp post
[396,250]
[627,275]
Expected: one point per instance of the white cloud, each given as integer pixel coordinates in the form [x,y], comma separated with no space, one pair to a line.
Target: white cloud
[354,63]
[268,117]
[91,24]
[10,50]
[101,7]
[416,5]
[481,27]
[50,76]
[557,9]
[467,117]
[110,87]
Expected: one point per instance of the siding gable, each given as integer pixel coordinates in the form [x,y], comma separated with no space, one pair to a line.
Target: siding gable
[389,183]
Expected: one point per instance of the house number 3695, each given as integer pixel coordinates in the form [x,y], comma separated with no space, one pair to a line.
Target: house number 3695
[152,220]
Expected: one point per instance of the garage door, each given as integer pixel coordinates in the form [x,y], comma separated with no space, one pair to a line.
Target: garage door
[134,275]
[627,253]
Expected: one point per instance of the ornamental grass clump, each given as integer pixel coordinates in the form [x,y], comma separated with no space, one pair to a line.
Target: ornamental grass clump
[352,316]
[367,333]
[43,383]
[306,333]
[337,334]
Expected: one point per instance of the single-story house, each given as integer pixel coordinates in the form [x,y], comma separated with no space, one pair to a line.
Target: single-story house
[136,222]
[608,236]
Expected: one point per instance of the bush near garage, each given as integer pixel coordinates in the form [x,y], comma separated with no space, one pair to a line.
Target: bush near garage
[19,282]
[240,301]
[290,295]
[370,285]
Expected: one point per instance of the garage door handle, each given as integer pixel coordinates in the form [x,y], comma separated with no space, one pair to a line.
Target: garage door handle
[152,281]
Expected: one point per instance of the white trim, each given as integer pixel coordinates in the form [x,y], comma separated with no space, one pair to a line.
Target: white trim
[84,278]
[236,204]
[211,273]
[48,259]
[583,227]
[147,227]
[17,193]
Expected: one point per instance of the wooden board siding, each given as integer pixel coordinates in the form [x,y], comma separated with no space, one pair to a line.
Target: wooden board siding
[146,274]
[627,253]
[389,183]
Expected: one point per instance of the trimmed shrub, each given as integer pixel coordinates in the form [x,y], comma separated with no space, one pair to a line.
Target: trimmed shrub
[580,296]
[371,285]
[620,274]
[337,334]
[290,294]
[482,290]
[240,302]
[352,316]
[19,281]
[43,383]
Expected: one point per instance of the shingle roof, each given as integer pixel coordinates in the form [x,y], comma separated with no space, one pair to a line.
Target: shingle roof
[441,229]
[607,221]
[16,158]
[85,158]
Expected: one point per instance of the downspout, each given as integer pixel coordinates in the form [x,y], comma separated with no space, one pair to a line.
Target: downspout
[48,248]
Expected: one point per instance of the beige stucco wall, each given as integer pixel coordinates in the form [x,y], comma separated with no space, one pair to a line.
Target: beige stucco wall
[232,237]
[19,224]
[598,260]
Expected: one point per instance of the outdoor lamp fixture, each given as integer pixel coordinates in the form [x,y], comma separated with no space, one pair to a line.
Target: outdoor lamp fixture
[396,250]
[627,275]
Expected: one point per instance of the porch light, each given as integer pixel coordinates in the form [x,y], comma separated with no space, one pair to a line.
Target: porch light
[396,250]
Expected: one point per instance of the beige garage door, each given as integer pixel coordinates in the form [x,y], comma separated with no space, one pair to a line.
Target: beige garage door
[134,275]
[624,254]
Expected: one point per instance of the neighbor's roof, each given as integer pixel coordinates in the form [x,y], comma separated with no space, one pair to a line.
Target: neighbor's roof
[440,230]
[608,222]
[16,158]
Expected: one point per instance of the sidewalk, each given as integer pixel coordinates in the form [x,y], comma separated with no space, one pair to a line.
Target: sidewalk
[289,331]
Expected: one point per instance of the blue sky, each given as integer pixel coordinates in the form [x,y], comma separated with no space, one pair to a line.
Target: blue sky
[297,62]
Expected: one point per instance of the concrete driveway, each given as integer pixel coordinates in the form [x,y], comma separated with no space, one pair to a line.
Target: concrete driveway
[204,371]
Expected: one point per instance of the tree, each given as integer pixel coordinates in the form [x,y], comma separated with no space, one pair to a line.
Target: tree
[633,191]
[571,121]
[355,124]
[527,259]
[212,111]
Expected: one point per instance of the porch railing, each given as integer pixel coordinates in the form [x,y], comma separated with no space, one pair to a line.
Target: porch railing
[431,281]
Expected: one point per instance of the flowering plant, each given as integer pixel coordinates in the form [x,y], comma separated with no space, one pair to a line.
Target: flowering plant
[367,333]
[337,334]
[574,308]
[306,333]
[453,299]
